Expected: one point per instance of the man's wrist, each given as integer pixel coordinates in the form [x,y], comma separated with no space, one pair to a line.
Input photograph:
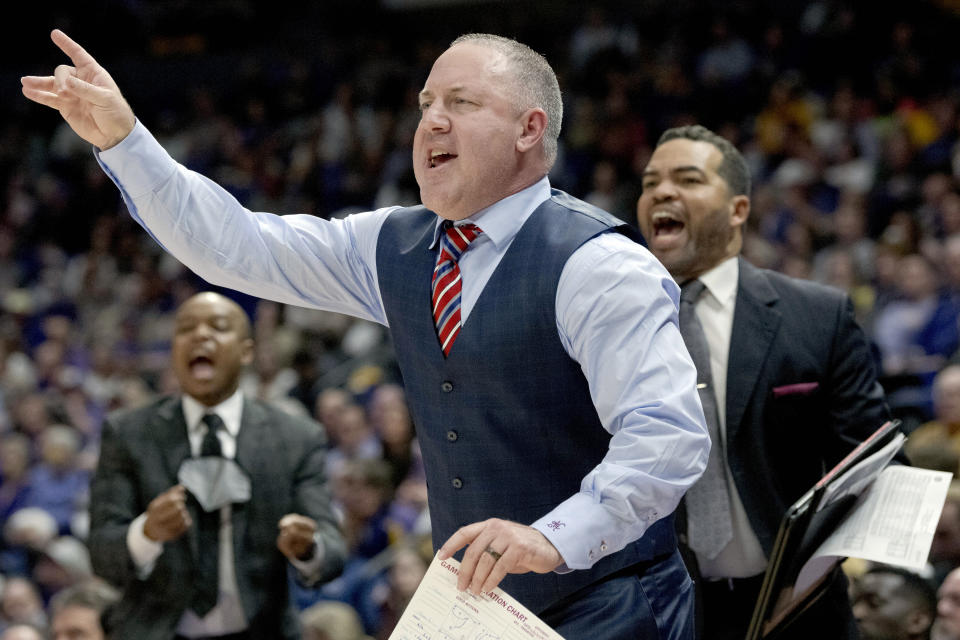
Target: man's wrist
[125,129]
[143,551]
[147,534]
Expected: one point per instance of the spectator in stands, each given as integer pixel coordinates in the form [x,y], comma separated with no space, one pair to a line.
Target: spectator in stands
[363,490]
[916,333]
[951,260]
[945,549]
[942,434]
[946,626]
[407,568]
[21,632]
[56,484]
[329,407]
[14,473]
[78,613]
[26,533]
[352,439]
[306,368]
[331,621]
[890,603]
[31,414]
[598,34]
[64,562]
[390,418]
[849,224]
[20,603]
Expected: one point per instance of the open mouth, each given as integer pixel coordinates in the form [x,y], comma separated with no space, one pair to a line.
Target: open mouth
[438,158]
[201,368]
[666,224]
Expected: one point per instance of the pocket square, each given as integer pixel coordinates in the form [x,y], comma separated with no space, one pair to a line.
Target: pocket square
[214,481]
[797,389]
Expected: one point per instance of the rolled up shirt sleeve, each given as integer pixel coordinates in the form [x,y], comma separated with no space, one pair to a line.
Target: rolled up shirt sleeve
[617,317]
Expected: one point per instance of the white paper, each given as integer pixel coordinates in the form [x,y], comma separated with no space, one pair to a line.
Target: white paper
[215,481]
[856,479]
[893,523]
[438,611]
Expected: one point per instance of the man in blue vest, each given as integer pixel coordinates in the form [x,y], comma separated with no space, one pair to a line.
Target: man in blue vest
[554,398]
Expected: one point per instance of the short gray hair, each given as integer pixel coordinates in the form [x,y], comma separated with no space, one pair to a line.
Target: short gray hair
[733,168]
[92,594]
[535,83]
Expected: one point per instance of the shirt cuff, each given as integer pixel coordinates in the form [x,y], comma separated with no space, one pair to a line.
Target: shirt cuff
[137,178]
[583,531]
[143,551]
[311,566]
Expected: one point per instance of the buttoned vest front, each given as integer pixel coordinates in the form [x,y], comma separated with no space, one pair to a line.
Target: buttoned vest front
[506,423]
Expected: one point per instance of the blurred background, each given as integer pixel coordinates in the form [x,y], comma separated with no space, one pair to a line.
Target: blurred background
[846,111]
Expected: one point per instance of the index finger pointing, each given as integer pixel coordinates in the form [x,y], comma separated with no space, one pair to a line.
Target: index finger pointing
[74,51]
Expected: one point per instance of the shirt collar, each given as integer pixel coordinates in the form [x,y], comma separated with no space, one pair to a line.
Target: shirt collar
[500,221]
[721,281]
[229,411]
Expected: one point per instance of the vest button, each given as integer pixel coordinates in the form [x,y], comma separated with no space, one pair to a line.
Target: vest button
[452,436]
[446,386]
[457,483]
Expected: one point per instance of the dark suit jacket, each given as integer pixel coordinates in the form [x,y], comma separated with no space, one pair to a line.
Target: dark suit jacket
[141,451]
[801,393]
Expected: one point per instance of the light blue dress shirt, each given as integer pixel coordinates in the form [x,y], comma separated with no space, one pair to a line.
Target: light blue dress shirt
[616,309]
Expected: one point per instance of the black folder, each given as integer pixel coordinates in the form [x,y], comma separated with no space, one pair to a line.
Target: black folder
[803,529]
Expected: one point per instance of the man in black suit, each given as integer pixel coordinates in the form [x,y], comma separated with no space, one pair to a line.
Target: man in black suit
[790,380]
[190,573]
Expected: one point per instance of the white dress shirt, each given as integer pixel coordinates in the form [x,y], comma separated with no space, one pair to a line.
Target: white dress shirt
[616,309]
[743,556]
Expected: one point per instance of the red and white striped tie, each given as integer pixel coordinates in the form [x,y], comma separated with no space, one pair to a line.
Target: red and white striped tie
[447,284]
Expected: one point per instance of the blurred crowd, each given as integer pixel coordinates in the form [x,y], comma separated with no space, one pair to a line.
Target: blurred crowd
[848,113]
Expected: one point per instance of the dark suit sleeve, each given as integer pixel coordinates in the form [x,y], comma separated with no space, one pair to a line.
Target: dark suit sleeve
[312,498]
[856,401]
[113,505]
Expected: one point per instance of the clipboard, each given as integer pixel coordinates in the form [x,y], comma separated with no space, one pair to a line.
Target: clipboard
[803,528]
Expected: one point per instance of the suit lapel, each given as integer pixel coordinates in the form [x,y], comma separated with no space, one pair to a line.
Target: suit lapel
[755,323]
[170,429]
[250,443]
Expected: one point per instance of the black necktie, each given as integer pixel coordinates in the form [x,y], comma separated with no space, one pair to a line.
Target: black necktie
[208,531]
[709,526]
